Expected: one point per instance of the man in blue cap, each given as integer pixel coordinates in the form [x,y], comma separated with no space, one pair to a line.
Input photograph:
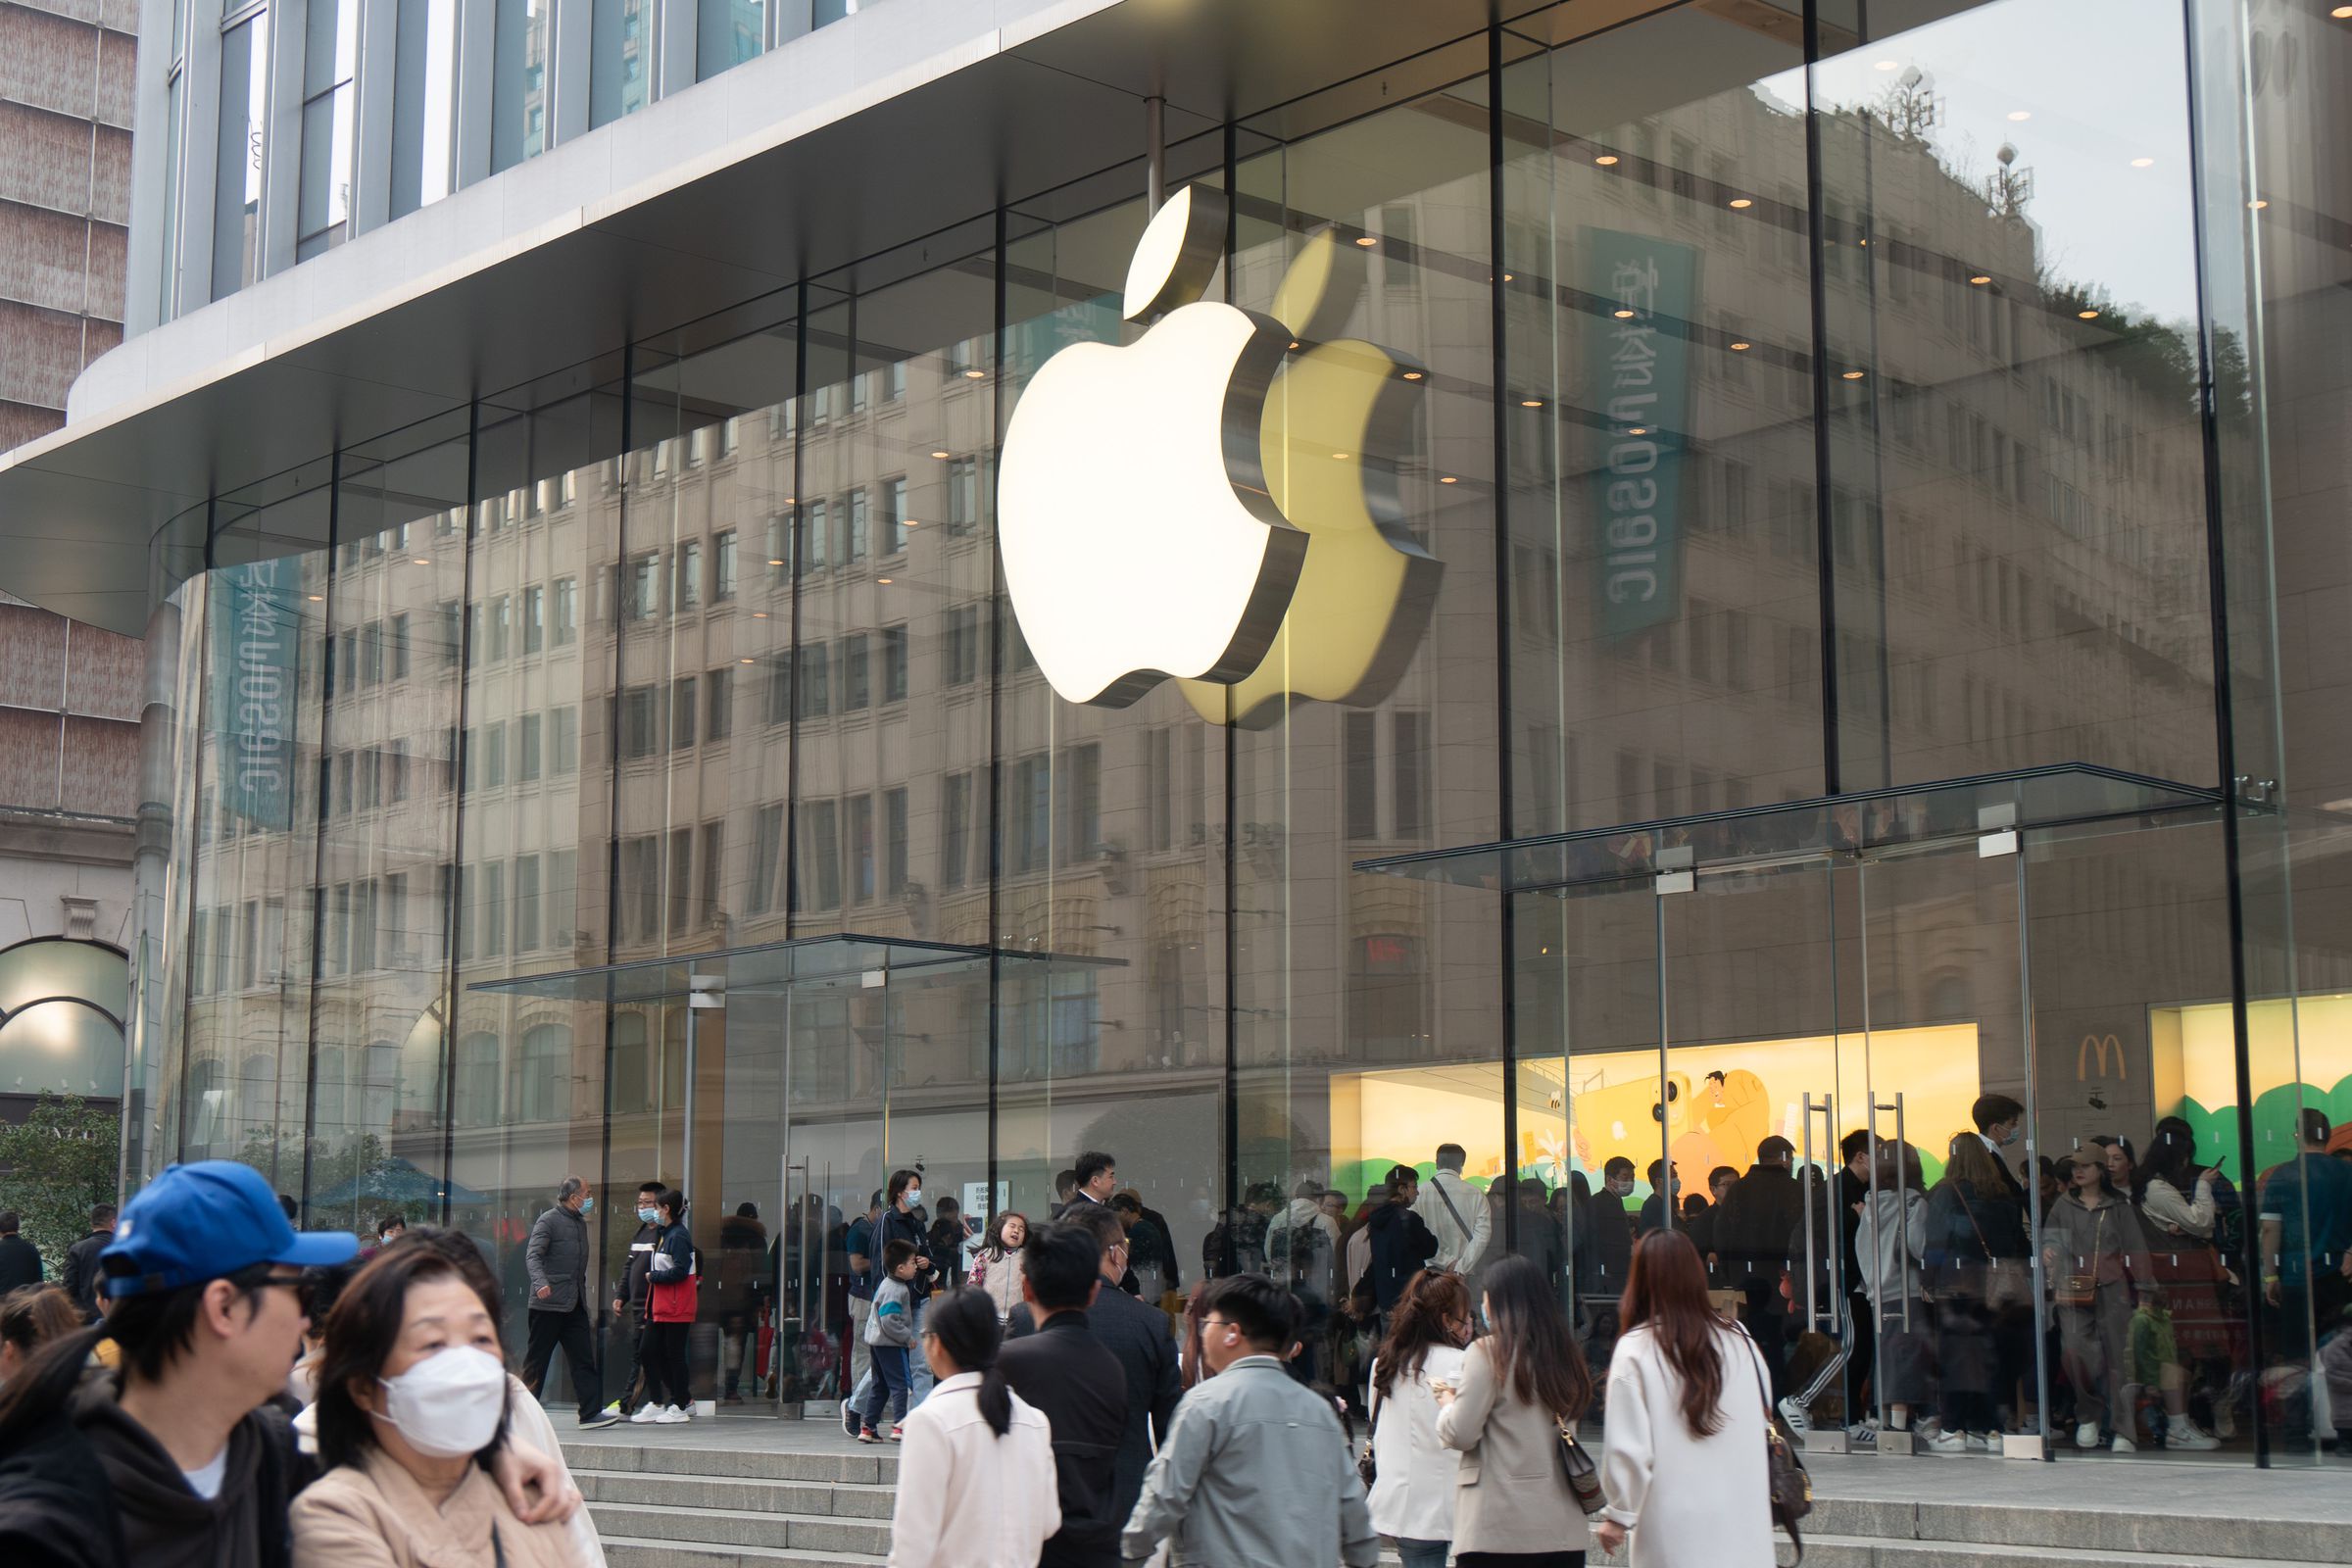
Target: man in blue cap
[185,1461]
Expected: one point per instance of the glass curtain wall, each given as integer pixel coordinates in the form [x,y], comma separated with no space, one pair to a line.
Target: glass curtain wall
[1686,422]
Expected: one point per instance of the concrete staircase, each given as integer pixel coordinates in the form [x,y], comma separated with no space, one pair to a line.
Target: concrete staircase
[706,1507]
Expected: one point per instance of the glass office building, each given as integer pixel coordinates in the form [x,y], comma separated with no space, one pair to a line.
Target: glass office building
[1822,522]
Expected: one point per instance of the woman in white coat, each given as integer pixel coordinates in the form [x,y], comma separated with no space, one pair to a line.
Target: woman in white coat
[1413,1496]
[1683,1469]
[976,1482]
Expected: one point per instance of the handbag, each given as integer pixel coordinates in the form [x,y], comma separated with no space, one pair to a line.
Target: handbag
[2006,1282]
[2080,1288]
[1787,1487]
[1584,1476]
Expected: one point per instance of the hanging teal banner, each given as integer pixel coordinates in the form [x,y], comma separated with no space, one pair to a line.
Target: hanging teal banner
[1638,376]
[1031,343]
[257,628]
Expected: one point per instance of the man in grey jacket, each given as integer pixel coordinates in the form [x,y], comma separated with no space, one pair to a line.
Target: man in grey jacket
[556,1258]
[1255,1469]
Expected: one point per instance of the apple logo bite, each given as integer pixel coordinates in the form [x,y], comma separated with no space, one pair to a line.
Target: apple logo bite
[1138,538]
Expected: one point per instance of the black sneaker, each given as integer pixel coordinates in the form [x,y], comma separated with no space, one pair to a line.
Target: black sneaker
[849,1419]
[604,1418]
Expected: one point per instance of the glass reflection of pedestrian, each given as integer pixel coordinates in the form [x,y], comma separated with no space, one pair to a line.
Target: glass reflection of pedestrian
[2095,1252]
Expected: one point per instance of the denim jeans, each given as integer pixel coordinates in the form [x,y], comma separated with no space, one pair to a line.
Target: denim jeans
[1422,1553]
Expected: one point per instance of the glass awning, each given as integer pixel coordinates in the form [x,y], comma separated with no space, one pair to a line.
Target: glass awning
[1871,824]
[837,958]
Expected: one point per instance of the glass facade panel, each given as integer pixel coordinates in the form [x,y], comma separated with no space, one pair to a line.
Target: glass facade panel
[727,33]
[1761,516]
[425,87]
[620,59]
[237,166]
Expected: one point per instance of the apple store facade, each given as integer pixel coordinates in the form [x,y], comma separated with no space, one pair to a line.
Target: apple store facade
[1795,599]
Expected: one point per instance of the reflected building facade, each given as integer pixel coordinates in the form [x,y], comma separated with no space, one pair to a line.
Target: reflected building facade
[1860,654]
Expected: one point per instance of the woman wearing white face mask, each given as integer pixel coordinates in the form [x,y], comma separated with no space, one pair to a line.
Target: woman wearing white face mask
[413,1400]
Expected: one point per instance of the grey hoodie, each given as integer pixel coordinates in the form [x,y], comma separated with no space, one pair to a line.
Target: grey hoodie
[2080,1240]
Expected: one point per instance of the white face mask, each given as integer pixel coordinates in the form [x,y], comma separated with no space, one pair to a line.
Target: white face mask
[449,1404]
[914,1197]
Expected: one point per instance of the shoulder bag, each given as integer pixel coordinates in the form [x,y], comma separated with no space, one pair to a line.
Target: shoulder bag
[1451,1209]
[2080,1288]
[1788,1487]
[1367,1468]
[1583,1475]
[2006,1282]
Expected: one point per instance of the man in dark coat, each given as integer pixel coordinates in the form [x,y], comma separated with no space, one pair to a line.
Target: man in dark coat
[82,1263]
[1139,1337]
[1751,1237]
[1401,1244]
[1064,1369]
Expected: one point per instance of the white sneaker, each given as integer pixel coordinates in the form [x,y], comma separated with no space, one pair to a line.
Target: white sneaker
[1795,1414]
[645,1415]
[2086,1436]
[1945,1441]
[1983,1443]
[671,1417]
[2123,1445]
[2179,1431]
[2225,1420]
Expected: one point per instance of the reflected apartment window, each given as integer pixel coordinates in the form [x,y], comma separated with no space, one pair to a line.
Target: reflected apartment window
[518,99]
[619,58]
[424,96]
[238,171]
[331,53]
[954,829]
[727,33]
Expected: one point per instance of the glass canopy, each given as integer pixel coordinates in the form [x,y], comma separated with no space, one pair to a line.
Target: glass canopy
[837,958]
[1875,822]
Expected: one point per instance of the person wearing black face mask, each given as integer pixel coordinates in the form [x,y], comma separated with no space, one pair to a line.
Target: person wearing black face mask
[628,1307]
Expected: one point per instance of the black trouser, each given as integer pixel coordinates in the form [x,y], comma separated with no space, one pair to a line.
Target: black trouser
[624,1356]
[1862,1365]
[665,1375]
[573,1330]
[1768,1326]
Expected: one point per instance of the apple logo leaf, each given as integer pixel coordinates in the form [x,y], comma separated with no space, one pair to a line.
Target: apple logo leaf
[1138,535]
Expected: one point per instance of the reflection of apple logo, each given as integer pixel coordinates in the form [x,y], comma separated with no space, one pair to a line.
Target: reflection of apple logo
[1138,538]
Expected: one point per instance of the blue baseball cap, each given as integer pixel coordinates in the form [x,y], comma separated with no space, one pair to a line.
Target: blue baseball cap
[206,1221]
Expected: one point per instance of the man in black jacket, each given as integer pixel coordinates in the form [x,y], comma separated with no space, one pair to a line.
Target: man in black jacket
[1064,1370]
[625,1349]
[1138,1335]
[1399,1243]
[1751,1237]
[20,1259]
[82,1263]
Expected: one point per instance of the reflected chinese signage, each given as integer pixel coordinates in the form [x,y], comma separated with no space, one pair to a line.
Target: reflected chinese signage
[256,632]
[1638,372]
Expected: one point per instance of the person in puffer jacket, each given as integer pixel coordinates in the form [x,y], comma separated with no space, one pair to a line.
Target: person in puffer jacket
[671,1302]
[1891,1245]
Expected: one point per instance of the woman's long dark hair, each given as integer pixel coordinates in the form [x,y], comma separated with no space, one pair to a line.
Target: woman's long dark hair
[1424,1317]
[1533,1352]
[2172,1155]
[964,1323]
[361,1332]
[1666,1288]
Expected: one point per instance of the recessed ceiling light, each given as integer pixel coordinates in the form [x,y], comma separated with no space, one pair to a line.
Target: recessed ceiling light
[1980,280]
[1412,376]
[2021,114]
[2142,163]
[1531,403]
[910,522]
[1366,240]
[2257,202]
[1742,346]
[1853,375]
[317,599]
[1293,342]
[743,661]
[1339,457]
[1637,429]
[1605,160]
[886,581]
[1888,65]
[1623,314]
[1740,202]
[758,614]
[975,375]
[2342,13]
[941,455]
[1447,479]
[1508,278]
[2089,316]
[775,560]
[423,560]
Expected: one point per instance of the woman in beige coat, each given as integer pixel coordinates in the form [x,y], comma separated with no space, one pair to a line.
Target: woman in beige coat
[1520,1386]
[411,1408]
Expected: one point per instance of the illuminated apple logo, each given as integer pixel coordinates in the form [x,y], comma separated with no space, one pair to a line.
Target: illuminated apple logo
[1138,538]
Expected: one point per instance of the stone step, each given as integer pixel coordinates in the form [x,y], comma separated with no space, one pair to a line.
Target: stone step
[840,1498]
[741,1527]
[873,1466]
[622,1551]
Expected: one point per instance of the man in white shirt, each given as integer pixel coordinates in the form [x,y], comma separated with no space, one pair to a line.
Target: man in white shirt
[1455,1213]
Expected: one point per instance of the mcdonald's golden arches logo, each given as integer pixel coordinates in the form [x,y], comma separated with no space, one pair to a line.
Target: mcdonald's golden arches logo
[2097,1048]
